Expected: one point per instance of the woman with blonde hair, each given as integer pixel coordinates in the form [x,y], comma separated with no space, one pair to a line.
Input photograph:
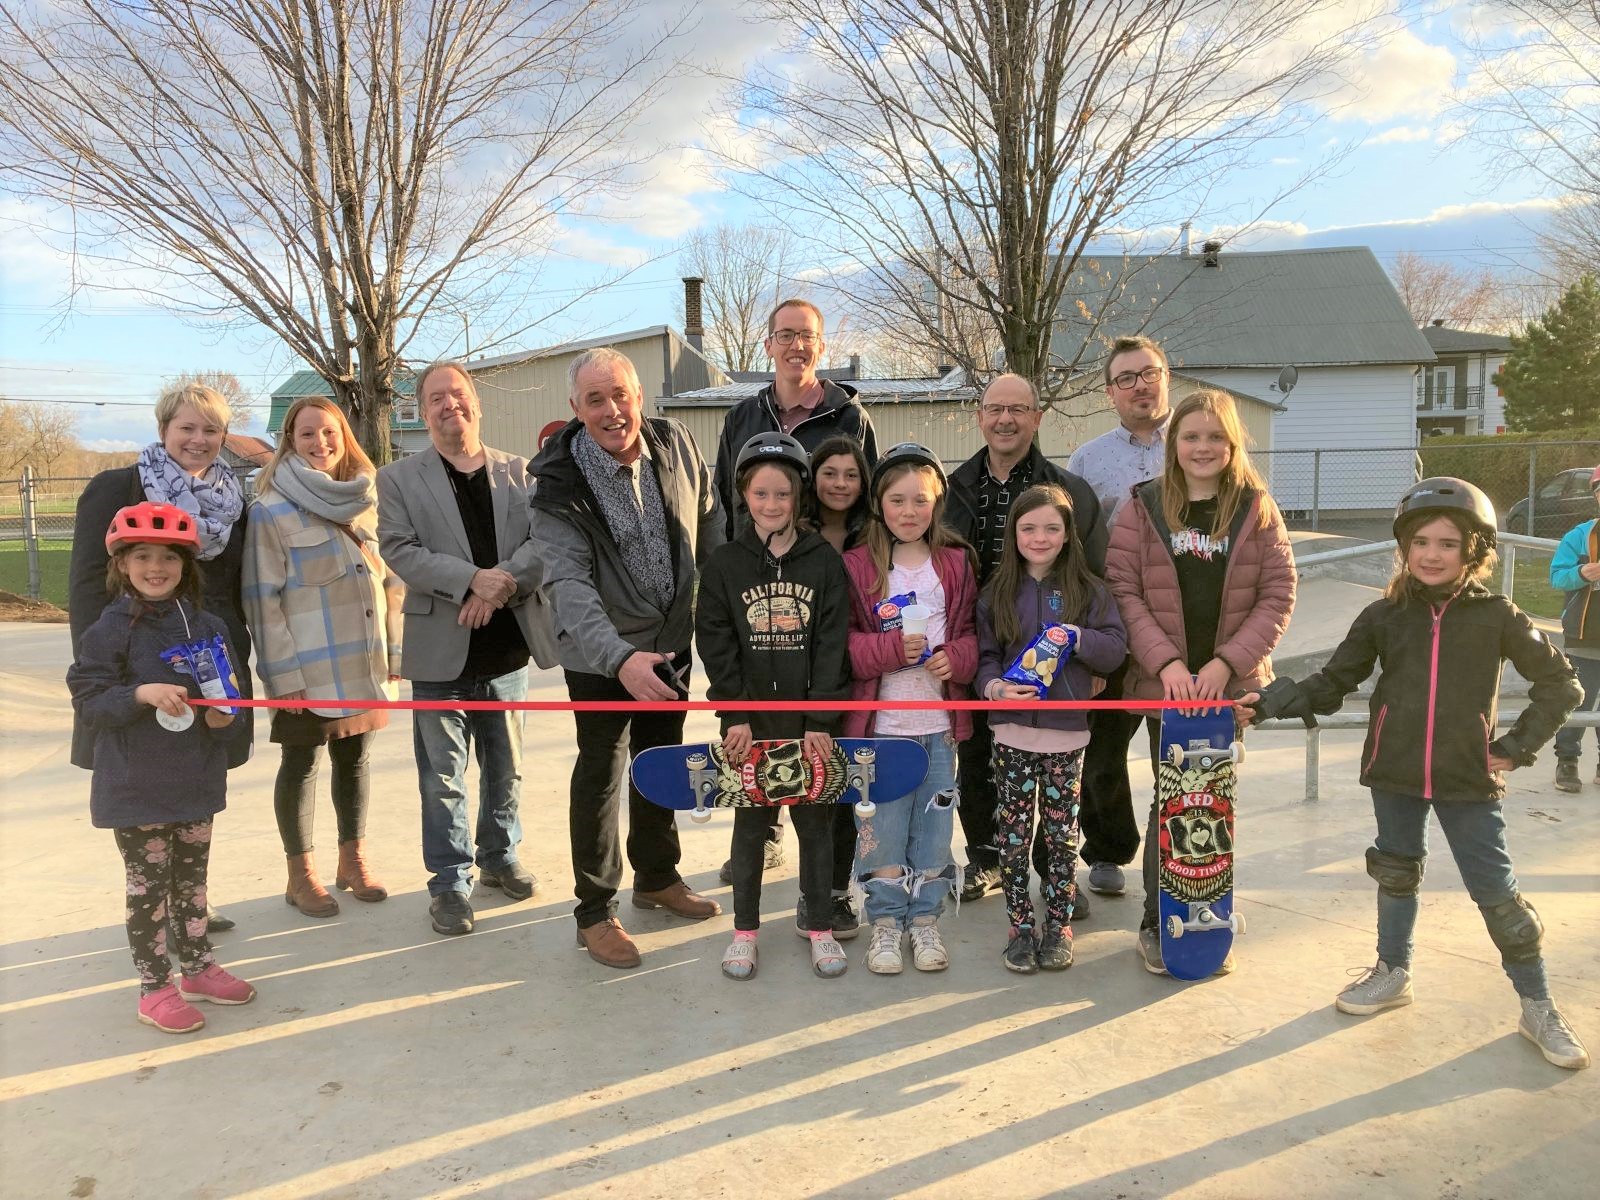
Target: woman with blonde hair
[182,467]
[1203,574]
[325,611]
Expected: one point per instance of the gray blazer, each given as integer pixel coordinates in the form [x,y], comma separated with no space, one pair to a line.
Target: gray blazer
[421,537]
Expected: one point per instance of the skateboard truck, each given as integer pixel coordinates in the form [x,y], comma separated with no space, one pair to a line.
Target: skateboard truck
[863,770]
[702,782]
[1204,755]
[1202,918]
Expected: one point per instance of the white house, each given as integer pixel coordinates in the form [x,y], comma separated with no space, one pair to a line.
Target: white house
[1458,393]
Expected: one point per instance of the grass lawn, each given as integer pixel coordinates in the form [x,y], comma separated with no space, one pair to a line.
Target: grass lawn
[1533,594]
[53,558]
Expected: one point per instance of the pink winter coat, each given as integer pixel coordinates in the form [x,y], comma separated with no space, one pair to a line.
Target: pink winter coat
[1257,594]
[874,653]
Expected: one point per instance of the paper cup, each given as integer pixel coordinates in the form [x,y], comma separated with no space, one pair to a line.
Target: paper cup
[914,618]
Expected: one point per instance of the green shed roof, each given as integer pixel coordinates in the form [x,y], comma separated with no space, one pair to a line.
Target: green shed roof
[309,383]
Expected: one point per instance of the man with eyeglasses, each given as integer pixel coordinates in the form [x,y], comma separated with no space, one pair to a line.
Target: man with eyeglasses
[796,402]
[982,490]
[1114,464]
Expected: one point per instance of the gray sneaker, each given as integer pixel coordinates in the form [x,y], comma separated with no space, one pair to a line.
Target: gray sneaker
[1379,987]
[884,955]
[1150,951]
[1106,879]
[1544,1026]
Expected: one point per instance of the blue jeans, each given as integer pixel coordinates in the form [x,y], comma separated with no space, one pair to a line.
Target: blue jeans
[1476,832]
[1569,742]
[912,833]
[442,739]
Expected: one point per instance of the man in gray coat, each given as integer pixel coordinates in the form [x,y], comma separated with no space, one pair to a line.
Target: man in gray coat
[623,512]
[453,524]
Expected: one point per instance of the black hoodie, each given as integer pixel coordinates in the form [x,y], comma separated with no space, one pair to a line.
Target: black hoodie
[775,629]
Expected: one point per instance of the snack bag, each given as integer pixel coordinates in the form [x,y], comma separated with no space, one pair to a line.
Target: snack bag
[1036,666]
[887,611]
[208,664]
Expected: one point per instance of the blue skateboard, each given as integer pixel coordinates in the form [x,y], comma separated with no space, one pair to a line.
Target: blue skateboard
[1195,802]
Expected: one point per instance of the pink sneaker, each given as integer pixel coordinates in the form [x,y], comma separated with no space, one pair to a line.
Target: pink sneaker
[216,985]
[169,1012]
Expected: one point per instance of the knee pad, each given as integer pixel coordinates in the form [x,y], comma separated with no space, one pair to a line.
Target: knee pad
[1515,928]
[1397,874]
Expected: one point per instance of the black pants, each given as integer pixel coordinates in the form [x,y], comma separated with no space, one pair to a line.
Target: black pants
[975,778]
[844,842]
[294,796]
[1150,865]
[1110,830]
[605,741]
[813,824]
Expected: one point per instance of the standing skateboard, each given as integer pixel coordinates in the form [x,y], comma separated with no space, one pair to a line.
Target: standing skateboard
[696,778]
[1194,797]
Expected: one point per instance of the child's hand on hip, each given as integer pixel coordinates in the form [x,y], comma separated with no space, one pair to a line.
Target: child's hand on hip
[170,698]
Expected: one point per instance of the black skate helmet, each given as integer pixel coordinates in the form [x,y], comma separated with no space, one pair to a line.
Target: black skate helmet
[773,448]
[908,453]
[1444,493]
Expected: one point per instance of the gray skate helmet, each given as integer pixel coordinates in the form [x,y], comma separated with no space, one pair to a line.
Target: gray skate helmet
[912,453]
[773,448]
[1444,493]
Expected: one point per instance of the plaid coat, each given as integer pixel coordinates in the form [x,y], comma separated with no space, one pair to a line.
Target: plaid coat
[325,616]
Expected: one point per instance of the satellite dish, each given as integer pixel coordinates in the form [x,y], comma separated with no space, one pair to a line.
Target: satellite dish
[1287,378]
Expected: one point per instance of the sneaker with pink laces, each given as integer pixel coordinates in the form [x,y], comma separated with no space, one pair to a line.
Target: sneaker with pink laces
[216,985]
[169,1012]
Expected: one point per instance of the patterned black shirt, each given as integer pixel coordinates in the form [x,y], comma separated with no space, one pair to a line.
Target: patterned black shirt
[994,508]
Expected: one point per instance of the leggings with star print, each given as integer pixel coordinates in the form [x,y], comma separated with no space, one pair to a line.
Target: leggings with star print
[1023,780]
[166,869]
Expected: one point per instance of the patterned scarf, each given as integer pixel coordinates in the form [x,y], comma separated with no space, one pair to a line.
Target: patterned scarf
[352,503]
[214,498]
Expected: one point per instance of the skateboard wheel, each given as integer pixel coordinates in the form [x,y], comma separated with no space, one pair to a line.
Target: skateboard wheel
[1236,922]
[700,815]
[696,762]
[1236,750]
[865,808]
[1175,754]
[1175,925]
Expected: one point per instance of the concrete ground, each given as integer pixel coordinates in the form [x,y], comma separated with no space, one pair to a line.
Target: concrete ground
[383,1061]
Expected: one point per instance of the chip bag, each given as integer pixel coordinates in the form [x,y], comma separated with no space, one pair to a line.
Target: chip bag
[887,611]
[207,663]
[1039,661]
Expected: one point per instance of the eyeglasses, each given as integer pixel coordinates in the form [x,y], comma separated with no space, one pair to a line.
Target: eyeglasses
[1128,379]
[1016,411]
[787,337]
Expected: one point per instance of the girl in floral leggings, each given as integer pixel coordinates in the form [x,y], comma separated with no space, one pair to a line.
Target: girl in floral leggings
[157,782]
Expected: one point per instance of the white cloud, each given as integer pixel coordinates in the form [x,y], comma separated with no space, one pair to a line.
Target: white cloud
[112,445]
[1404,76]
[1286,161]
[1402,133]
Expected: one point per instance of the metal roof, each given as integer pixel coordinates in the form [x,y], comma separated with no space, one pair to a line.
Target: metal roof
[1273,308]
[309,383]
[1463,341]
[951,386]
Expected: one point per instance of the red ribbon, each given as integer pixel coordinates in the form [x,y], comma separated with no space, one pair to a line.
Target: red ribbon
[740,706]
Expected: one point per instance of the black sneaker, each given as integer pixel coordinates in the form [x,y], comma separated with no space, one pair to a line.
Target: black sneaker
[451,913]
[1055,951]
[726,874]
[516,881]
[1567,776]
[1020,954]
[845,922]
[978,881]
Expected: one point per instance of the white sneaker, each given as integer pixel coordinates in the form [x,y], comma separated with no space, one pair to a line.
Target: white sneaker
[1544,1026]
[927,948]
[883,952]
[1380,987]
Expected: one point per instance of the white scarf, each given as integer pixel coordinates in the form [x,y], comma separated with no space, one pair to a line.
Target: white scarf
[213,498]
[350,502]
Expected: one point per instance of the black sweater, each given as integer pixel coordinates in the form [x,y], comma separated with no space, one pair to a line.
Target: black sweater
[1434,705]
[775,629]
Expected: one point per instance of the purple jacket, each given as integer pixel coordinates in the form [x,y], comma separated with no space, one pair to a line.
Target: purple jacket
[1102,645]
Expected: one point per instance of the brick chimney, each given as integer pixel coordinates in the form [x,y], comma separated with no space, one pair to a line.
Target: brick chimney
[693,325]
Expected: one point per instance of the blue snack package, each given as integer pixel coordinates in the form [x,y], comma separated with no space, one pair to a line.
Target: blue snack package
[207,663]
[887,611]
[1036,666]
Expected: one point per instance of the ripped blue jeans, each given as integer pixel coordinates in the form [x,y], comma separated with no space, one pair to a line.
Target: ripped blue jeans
[912,833]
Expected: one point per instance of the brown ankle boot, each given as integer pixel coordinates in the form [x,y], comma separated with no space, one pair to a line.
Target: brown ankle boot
[355,877]
[305,890]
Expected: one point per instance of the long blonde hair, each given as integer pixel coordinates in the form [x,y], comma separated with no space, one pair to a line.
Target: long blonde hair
[1238,477]
[880,543]
[352,462]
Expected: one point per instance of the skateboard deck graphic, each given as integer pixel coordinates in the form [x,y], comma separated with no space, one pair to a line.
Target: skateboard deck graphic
[697,778]
[1195,798]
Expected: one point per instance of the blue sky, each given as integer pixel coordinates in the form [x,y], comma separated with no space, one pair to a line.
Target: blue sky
[1412,182]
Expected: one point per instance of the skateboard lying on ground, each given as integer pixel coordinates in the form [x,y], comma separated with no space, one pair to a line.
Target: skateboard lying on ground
[1194,797]
[697,777]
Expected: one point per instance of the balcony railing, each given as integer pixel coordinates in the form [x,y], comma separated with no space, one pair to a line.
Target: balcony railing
[1450,402]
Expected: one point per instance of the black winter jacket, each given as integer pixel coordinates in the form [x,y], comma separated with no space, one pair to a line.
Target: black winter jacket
[961,508]
[144,774]
[838,413]
[1434,705]
[775,629]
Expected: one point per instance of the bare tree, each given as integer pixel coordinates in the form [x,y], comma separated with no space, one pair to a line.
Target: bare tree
[35,435]
[964,156]
[1432,290]
[346,174]
[240,400]
[747,269]
[1536,99]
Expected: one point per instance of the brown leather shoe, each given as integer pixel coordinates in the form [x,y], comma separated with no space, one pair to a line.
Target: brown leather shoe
[305,890]
[608,944]
[678,899]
